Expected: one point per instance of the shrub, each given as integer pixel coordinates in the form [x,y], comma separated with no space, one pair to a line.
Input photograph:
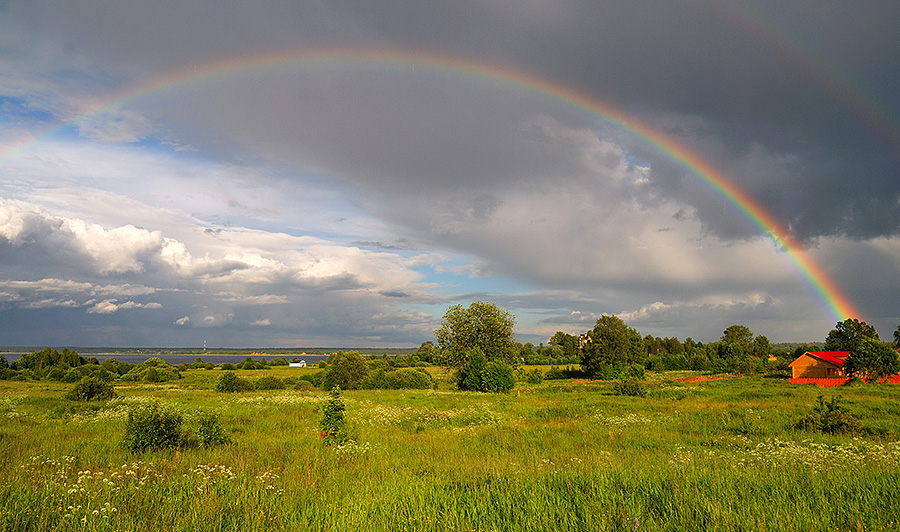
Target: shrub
[534,376]
[469,376]
[230,382]
[829,417]
[634,371]
[631,387]
[152,426]
[407,378]
[332,422]
[89,388]
[497,377]
[269,383]
[210,431]
[56,374]
[152,370]
[304,386]
[556,373]
[227,366]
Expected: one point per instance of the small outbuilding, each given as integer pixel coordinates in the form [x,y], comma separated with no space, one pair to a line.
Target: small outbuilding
[300,364]
[820,365]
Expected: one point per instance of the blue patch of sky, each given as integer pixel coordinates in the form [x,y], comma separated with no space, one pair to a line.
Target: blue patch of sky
[16,110]
[455,278]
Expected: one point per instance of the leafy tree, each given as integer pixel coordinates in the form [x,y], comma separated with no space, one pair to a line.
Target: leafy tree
[739,334]
[483,326]
[872,358]
[568,342]
[897,337]
[761,345]
[347,370]
[613,346]
[847,334]
[427,351]
[47,358]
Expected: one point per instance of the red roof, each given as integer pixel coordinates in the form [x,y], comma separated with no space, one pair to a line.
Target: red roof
[835,357]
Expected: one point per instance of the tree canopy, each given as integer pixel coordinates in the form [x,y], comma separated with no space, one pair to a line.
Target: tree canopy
[897,337]
[872,358]
[847,334]
[482,326]
[613,346]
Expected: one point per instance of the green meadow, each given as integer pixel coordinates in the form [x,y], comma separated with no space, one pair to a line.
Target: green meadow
[561,455]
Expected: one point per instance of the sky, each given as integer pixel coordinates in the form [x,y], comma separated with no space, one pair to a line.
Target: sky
[292,173]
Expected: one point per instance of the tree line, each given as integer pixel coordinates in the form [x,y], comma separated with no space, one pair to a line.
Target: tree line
[478,341]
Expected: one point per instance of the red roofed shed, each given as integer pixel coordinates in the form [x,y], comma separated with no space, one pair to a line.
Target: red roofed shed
[820,365]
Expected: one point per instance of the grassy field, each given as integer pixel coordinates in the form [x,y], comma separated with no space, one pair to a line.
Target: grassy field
[563,455]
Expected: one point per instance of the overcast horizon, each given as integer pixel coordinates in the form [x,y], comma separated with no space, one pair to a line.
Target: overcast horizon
[306,173]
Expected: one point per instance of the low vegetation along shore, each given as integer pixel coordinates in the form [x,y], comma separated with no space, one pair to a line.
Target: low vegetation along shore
[749,453]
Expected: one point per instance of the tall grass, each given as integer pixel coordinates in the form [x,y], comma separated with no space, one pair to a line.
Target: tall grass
[716,455]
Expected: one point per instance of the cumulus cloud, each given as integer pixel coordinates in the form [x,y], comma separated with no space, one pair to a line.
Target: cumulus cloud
[108,306]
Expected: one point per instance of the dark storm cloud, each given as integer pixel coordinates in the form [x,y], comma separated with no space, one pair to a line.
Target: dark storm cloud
[783,92]
[796,103]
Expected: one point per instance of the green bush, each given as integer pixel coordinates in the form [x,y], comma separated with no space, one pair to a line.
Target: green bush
[630,386]
[152,370]
[227,366]
[151,427]
[89,388]
[829,417]
[497,377]
[230,382]
[210,431]
[634,371]
[469,376]
[56,374]
[269,383]
[534,376]
[407,378]
[304,386]
[332,422]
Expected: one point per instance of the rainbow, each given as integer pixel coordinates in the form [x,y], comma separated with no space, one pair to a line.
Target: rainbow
[836,304]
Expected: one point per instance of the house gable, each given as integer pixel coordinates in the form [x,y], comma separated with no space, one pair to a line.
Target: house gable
[819,365]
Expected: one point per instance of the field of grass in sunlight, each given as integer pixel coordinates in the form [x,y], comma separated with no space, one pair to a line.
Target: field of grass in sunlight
[562,455]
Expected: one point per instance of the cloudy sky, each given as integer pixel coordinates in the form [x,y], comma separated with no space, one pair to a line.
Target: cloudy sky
[307,173]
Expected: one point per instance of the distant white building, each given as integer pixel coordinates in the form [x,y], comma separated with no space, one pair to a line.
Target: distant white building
[301,364]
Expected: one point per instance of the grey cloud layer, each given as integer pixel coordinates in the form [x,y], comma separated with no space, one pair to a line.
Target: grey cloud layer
[797,104]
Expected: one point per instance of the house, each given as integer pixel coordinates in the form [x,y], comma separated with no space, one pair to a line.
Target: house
[819,365]
[301,364]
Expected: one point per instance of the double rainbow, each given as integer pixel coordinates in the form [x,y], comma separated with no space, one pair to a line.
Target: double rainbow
[836,304]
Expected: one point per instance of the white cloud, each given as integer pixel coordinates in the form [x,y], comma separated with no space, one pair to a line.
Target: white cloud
[108,306]
[184,320]
[261,323]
